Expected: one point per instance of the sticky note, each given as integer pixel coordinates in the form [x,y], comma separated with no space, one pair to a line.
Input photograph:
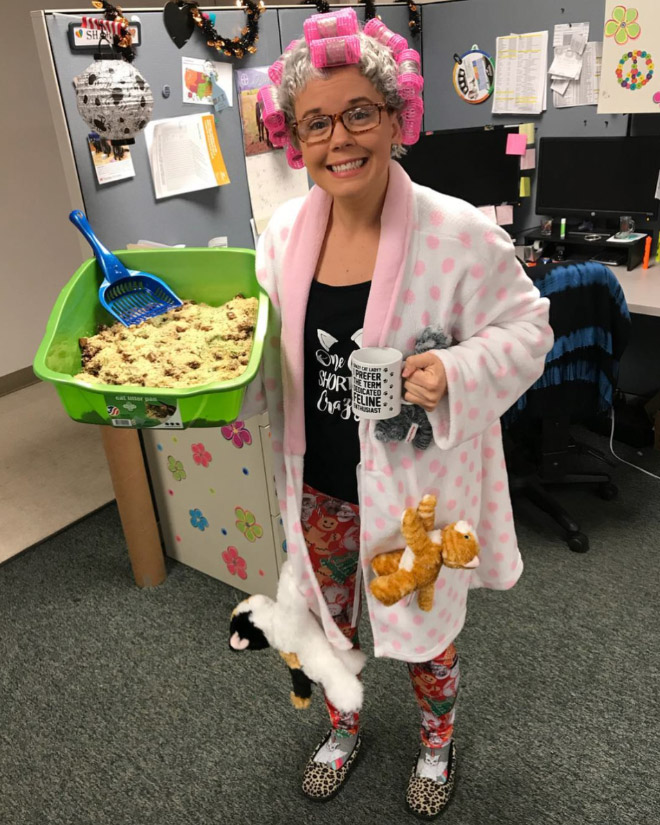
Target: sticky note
[528,130]
[504,214]
[528,160]
[488,211]
[525,187]
[516,144]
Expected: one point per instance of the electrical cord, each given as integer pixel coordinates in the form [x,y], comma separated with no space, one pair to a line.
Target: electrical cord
[622,460]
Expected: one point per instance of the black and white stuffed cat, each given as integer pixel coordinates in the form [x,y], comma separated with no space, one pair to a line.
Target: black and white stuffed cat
[288,626]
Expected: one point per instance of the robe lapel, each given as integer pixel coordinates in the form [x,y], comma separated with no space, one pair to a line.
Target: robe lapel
[395,230]
[299,264]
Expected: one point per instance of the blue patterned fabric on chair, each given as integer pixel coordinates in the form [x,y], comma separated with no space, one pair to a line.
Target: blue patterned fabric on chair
[591,324]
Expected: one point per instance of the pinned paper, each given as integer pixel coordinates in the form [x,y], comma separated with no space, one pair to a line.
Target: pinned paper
[516,144]
[657,188]
[111,163]
[197,78]
[504,214]
[489,212]
[520,78]
[528,130]
[185,155]
[525,187]
[528,161]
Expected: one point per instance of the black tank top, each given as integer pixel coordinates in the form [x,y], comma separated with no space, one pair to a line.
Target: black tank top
[333,330]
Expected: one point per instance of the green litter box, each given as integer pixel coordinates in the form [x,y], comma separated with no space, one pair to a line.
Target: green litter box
[212,276]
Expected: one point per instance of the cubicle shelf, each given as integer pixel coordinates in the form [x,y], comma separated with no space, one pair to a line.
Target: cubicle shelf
[578,248]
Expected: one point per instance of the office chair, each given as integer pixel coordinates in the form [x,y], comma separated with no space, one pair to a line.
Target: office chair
[591,324]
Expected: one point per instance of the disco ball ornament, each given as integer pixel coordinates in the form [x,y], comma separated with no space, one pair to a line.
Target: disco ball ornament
[114,99]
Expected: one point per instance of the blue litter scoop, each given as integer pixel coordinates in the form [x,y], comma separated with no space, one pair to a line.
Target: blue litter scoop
[131,296]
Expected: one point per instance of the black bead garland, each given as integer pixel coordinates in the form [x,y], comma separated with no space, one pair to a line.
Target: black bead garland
[236,46]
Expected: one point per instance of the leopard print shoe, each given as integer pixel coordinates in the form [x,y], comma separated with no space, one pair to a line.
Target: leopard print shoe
[320,780]
[426,798]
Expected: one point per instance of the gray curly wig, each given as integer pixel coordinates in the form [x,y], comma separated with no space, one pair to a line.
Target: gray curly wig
[376,63]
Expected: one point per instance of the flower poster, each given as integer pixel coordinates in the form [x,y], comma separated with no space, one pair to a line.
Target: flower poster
[630,79]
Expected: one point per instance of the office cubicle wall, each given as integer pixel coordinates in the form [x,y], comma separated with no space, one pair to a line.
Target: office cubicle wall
[451,28]
[127,210]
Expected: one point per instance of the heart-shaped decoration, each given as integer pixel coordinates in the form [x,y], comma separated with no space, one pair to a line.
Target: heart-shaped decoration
[178,23]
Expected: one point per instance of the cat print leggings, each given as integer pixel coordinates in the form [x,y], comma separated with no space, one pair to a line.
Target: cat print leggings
[332,528]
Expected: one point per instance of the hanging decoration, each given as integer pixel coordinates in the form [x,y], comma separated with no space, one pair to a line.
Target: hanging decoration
[178,23]
[112,96]
[122,40]
[179,16]
[473,75]
[322,6]
[414,17]
[114,100]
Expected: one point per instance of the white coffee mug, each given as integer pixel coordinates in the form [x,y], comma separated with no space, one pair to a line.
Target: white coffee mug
[376,382]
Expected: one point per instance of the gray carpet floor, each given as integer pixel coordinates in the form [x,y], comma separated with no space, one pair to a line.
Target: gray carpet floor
[126,707]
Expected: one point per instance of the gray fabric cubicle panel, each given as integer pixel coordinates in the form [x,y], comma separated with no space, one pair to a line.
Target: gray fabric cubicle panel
[127,210]
[453,27]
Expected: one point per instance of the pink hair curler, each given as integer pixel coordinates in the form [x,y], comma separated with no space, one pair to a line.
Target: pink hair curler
[378,30]
[409,80]
[272,114]
[275,71]
[335,51]
[294,157]
[278,139]
[332,24]
[411,117]
[409,54]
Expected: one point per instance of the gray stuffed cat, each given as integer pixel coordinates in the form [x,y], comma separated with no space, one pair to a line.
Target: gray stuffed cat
[397,428]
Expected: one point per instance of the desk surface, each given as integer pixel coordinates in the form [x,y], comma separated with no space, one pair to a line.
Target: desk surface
[641,288]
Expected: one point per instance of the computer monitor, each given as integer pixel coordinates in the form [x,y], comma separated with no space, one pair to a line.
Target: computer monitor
[471,164]
[598,177]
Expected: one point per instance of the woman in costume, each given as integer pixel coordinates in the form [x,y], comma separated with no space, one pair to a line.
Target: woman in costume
[369,258]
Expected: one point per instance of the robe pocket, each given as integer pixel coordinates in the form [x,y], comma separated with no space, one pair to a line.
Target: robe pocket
[381,508]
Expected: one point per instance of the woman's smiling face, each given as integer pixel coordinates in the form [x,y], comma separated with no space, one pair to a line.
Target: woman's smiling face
[347,165]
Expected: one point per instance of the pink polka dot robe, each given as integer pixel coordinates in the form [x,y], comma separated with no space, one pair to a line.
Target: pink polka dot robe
[440,261]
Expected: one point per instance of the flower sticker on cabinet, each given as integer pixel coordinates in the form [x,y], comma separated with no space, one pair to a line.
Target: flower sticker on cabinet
[236,564]
[237,433]
[176,468]
[247,524]
[201,455]
[622,26]
[198,520]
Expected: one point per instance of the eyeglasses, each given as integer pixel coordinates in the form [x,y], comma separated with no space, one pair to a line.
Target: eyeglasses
[357,119]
